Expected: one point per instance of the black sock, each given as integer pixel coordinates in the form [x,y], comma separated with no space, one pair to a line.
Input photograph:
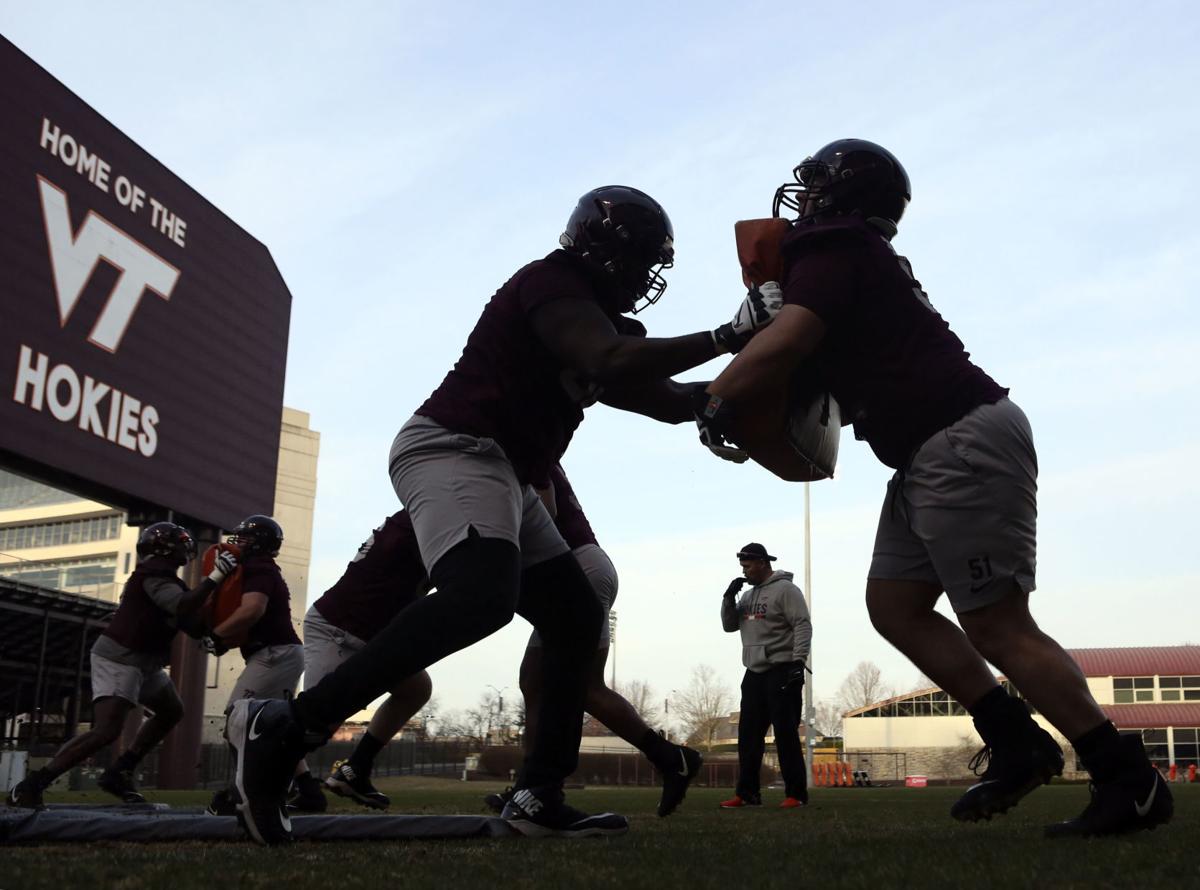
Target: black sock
[43,777]
[659,751]
[126,762]
[1100,750]
[365,752]
[999,717]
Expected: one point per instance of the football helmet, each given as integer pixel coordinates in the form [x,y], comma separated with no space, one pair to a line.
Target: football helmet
[167,539]
[847,176]
[257,535]
[628,235]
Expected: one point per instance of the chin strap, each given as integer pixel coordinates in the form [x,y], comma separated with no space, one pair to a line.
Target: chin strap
[885,227]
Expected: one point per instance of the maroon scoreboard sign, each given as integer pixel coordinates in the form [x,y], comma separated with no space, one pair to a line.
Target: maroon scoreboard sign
[143,333]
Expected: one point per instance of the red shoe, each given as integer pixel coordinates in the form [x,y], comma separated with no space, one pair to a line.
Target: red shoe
[736,802]
[791,802]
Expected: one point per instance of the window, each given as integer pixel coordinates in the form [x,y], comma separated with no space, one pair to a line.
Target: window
[1179,688]
[54,534]
[1127,690]
[1187,747]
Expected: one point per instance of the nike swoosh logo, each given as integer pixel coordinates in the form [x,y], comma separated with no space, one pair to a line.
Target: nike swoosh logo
[252,735]
[1144,808]
[683,760]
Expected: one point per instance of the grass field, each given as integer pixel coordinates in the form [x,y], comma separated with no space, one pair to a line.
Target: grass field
[872,838]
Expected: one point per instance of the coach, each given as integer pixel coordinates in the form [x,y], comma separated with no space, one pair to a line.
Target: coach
[776,636]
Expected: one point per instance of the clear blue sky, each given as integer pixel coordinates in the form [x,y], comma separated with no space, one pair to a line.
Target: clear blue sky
[401,160]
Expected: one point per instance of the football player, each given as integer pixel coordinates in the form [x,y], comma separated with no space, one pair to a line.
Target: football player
[677,764]
[384,577]
[465,467]
[273,654]
[960,512]
[128,661]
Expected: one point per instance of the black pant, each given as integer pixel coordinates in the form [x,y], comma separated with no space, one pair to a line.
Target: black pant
[765,703]
[479,586]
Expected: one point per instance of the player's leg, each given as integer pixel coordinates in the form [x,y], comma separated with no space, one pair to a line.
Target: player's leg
[466,508]
[161,699]
[753,721]
[352,777]
[108,719]
[786,707]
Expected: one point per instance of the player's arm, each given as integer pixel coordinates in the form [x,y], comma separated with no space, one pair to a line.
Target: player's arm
[546,493]
[252,607]
[662,400]
[777,351]
[581,336]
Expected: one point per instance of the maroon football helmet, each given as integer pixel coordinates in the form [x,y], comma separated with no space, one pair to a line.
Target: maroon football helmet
[628,235]
[847,176]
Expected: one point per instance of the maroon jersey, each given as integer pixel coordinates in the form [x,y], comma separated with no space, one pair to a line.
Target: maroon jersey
[274,628]
[385,576]
[895,367]
[139,624]
[507,385]
[571,522]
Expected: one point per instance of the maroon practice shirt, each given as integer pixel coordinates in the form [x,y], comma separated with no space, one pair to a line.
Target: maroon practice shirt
[385,576]
[507,385]
[274,628]
[895,367]
[571,522]
[139,624]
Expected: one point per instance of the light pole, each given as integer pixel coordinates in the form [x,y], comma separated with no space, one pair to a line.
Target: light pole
[809,711]
[499,703]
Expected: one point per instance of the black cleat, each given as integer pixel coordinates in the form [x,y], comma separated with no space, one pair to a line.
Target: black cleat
[1012,771]
[307,796]
[224,803]
[345,781]
[541,812]
[119,783]
[1136,798]
[269,743]
[498,800]
[27,794]
[675,783]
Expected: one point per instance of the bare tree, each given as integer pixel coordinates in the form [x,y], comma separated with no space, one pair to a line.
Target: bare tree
[703,706]
[862,687]
[642,696]
[827,719]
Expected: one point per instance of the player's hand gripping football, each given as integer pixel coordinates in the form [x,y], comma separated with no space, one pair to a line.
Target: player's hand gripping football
[760,306]
[224,565]
[713,416]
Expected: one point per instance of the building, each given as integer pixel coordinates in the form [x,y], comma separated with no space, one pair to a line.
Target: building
[1153,690]
[55,539]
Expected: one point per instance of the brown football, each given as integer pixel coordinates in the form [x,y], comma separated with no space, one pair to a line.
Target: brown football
[223,601]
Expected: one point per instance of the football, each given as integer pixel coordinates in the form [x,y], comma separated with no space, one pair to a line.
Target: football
[223,601]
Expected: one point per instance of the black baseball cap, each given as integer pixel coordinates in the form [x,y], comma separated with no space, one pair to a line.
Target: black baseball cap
[754,551]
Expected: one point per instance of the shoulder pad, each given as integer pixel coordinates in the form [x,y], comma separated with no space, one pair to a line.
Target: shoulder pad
[629,327]
[838,231]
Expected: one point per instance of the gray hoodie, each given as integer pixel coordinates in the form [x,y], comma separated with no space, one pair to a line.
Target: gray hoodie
[774,622]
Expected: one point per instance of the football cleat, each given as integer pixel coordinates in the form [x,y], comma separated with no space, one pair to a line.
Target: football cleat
[269,743]
[497,800]
[1011,771]
[306,796]
[738,801]
[224,803]
[346,781]
[1133,799]
[26,793]
[541,812]
[675,783]
[119,783]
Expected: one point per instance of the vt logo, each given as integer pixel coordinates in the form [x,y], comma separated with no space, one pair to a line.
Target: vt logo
[73,258]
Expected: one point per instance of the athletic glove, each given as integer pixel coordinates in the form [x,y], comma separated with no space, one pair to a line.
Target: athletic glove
[223,566]
[734,586]
[213,644]
[713,417]
[758,309]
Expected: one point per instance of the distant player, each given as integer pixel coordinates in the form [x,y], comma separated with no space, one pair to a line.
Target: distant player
[960,513]
[128,661]
[465,467]
[273,653]
[384,577]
